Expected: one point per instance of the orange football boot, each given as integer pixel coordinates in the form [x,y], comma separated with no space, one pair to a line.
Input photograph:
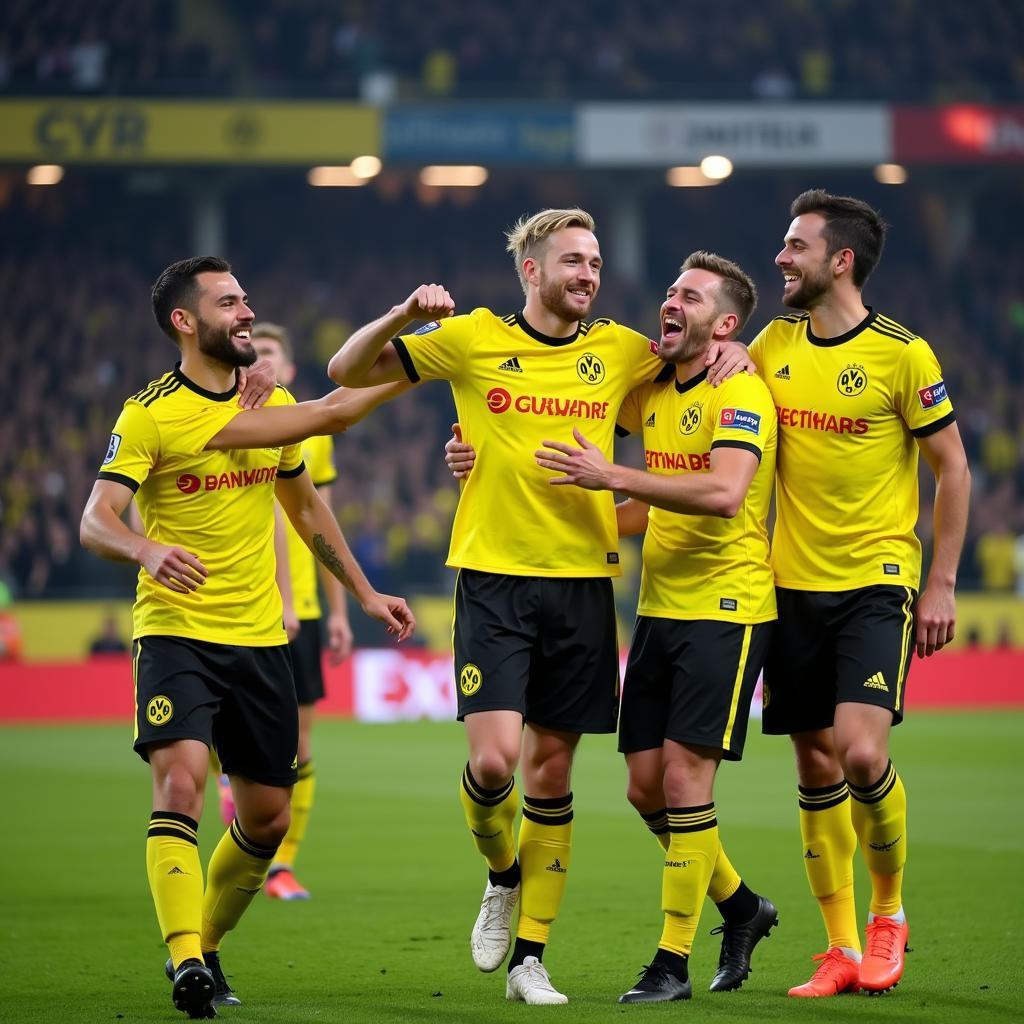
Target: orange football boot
[282,885]
[882,966]
[837,973]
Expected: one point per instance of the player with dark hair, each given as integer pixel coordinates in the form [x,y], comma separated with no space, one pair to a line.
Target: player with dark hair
[858,396]
[210,660]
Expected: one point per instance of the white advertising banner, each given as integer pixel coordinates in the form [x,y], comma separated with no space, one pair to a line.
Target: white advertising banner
[751,135]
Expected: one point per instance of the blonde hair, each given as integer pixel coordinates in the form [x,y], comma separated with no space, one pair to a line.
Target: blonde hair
[737,292]
[275,332]
[529,235]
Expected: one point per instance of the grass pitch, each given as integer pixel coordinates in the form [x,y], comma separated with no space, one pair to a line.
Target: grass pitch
[396,885]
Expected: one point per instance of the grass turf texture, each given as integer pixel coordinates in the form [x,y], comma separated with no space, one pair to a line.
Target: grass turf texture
[396,885]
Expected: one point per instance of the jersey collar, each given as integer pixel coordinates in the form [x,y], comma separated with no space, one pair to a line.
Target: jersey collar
[852,333]
[544,338]
[689,385]
[214,396]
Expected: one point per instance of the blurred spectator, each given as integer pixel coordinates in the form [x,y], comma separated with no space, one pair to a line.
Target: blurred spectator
[109,639]
[10,630]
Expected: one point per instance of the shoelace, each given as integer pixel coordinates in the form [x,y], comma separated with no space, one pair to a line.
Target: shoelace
[727,936]
[497,911]
[539,976]
[652,972]
[831,963]
[883,936]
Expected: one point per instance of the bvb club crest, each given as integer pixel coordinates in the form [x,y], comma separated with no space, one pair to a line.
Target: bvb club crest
[470,679]
[590,368]
[690,420]
[852,380]
[159,711]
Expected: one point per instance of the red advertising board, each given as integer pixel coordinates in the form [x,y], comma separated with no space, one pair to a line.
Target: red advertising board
[960,133]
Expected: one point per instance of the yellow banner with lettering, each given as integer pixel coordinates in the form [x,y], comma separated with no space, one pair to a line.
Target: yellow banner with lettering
[125,131]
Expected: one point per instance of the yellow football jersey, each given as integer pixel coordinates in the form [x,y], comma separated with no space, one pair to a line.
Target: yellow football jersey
[706,567]
[849,411]
[514,388]
[318,455]
[217,505]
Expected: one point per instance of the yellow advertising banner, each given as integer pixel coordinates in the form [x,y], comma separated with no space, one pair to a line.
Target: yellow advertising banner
[126,131]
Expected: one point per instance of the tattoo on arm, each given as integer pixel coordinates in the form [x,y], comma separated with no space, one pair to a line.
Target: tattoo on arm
[326,553]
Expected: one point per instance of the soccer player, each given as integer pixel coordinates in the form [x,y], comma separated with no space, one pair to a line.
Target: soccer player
[297,576]
[858,395]
[706,607]
[210,660]
[534,630]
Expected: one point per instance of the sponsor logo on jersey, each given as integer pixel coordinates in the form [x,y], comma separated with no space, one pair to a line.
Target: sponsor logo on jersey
[159,710]
[427,328]
[115,443]
[690,420]
[187,483]
[741,419]
[590,368]
[499,400]
[678,460]
[728,604]
[649,422]
[852,380]
[890,569]
[470,679]
[812,419]
[511,365]
[783,374]
[653,346]
[934,394]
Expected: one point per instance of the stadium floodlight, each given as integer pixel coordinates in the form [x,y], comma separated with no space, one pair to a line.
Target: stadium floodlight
[45,174]
[454,175]
[366,166]
[689,177]
[890,174]
[335,177]
[717,167]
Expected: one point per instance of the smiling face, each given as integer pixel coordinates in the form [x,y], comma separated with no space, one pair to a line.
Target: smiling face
[566,273]
[690,316]
[270,348]
[224,320]
[805,263]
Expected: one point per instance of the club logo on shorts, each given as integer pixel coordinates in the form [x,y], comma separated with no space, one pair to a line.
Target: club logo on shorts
[159,711]
[590,368]
[470,679]
[852,380]
[499,400]
[690,420]
[115,443]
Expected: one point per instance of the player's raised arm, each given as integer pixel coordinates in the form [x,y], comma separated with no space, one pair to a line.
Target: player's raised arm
[368,357]
[315,524]
[290,424]
[105,534]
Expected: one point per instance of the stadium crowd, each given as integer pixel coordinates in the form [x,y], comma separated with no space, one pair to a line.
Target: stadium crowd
[912,50]
[85,305]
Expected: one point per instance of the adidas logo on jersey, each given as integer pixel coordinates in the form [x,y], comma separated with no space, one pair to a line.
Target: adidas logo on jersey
[783,374]
[876,682]
[649,422]
[511,365]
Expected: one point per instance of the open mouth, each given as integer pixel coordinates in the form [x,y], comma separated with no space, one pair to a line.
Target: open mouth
[242,333]
[670,328]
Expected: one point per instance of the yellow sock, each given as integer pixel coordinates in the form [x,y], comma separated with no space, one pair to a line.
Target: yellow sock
[879,815]
[237,871]
[176,881]
[725,879]
[657,822]
[491,815]
[829,844]
[692,852]
[301,805]
[545,849]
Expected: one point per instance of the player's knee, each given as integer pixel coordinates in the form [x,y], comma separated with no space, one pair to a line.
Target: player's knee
[492,768]
[177,789]
[816,764]
[548,777]
[268,825]
[646,795]
[864,762]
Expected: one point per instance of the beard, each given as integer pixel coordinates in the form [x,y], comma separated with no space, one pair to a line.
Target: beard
[690,344]
[215,343]
[554,300]
[809,290]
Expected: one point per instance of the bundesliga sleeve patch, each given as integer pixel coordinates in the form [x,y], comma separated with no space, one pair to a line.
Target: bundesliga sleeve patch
[933,395]
[427,328]
[740,419]
[115,443]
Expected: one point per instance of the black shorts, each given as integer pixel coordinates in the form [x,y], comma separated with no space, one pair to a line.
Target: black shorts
[307,662]
[239,700]
[545,647]
[692,682]
[848,646]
